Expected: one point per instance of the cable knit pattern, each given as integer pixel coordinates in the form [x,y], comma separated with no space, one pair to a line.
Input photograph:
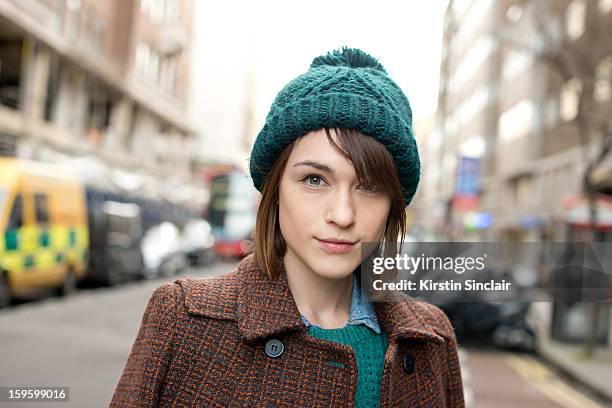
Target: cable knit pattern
[369,349]
[346,88]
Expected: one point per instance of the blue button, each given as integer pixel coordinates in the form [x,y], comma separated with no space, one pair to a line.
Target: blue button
[274,348]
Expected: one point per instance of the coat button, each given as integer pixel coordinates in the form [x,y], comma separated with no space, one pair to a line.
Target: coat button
[408,363]
[274,348]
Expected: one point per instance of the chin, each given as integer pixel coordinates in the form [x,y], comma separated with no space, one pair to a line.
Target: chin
[334,267]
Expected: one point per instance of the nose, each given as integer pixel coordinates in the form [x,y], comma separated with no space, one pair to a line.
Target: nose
[340,209]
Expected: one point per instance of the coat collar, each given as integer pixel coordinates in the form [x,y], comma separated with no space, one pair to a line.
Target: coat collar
[264,307]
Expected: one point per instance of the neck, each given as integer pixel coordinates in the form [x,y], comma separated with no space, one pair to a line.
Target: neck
[324,302]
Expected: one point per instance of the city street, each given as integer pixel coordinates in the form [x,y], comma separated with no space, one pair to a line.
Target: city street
[81,342]
[57,342]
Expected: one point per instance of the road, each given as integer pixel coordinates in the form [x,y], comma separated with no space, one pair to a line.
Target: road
[499,379]
[83,341]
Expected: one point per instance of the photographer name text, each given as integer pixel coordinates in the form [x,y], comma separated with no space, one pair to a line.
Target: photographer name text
[449,285]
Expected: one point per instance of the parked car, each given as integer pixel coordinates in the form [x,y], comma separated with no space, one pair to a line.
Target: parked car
[162,252]
[115,235]
[504,324]
[198,242]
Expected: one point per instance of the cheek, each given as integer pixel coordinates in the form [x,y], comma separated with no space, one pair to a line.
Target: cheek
[374,220]
[294,215]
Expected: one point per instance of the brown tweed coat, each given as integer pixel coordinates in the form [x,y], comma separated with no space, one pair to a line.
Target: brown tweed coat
[205,342]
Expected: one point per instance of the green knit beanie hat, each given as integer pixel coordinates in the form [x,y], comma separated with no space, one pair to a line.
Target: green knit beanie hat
[347,89]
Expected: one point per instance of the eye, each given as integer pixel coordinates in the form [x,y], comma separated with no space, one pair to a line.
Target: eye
[315,180]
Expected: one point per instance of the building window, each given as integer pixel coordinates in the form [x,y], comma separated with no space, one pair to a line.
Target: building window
[570,95]
[51,95]
[473,146]
[143,60]
[574,19]
[516,121]
[515,63]
[604,6]
[157,10]
[514,13]
[603,80]
[153,68]
[168,74]
[99,107]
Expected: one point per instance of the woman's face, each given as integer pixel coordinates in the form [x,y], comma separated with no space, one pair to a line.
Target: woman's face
[320,198]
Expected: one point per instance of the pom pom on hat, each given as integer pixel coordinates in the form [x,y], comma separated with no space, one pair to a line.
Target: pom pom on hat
[348,57]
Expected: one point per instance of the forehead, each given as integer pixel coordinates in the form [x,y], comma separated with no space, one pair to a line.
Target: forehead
[316,146]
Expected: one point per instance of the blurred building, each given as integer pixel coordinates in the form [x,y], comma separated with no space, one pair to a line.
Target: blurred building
[508,156]
[104,78]
[525,100]
[423,218]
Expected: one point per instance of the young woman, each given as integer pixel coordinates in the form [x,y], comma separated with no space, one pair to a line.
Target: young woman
[337,164]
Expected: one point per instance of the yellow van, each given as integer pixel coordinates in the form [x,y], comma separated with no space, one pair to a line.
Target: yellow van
[44,237]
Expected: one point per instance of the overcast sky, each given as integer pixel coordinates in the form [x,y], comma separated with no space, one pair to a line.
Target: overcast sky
[277,40]
[405,35]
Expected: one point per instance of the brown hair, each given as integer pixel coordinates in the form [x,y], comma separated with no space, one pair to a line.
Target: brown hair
[373,165]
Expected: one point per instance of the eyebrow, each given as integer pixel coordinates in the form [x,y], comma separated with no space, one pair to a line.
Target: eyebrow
[316,165]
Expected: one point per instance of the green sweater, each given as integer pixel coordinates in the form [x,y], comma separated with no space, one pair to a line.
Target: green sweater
[369,348]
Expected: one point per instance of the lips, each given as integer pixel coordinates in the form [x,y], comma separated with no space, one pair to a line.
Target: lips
[336,246]
[337,241]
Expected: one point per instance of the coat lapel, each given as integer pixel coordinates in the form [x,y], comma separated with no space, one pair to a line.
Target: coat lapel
[266,308]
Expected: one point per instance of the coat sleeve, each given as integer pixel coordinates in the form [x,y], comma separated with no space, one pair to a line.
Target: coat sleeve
[142,378]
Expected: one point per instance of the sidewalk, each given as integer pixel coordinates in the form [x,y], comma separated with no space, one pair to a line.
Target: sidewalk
[594,372]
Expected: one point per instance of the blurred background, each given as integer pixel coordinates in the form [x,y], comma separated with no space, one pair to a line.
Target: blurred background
[125,132]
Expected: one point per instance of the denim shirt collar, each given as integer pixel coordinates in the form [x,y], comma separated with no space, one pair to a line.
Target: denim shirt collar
[361,312]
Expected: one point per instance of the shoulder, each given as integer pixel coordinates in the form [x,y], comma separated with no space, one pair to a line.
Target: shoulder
[219,296]
[432,317]
[408,317]
[437,318]
[214,296]
[164,300]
